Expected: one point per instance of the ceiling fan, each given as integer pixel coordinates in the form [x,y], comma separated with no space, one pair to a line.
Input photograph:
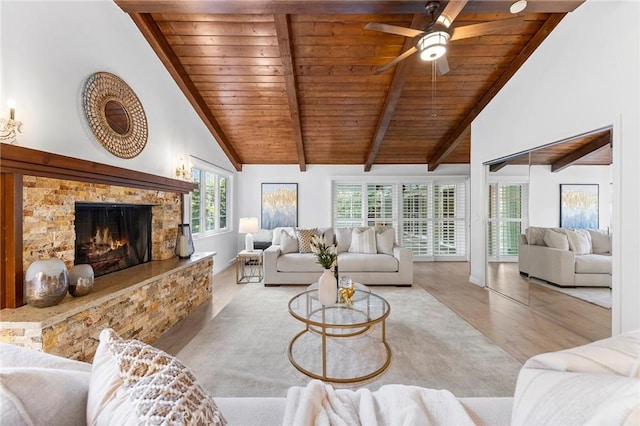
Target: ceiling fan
[433,40]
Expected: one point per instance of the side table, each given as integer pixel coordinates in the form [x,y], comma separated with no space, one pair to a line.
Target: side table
[249,266]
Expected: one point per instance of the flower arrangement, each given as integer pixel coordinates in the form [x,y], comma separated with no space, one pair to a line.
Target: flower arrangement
[326,254]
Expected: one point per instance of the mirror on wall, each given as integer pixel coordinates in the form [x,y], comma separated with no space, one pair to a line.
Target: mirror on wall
[508,217]
[555,187]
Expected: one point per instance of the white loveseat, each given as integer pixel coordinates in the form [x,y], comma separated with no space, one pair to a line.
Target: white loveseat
[389,265]
[567,258]
[593,384]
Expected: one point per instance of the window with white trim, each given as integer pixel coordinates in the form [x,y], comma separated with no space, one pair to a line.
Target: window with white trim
[430,217]
[209,201]
[508,217]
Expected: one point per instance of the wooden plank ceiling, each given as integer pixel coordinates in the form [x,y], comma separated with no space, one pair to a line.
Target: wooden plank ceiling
[293,82]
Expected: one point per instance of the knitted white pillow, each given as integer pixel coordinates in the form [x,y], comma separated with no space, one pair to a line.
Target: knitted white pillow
[134,383]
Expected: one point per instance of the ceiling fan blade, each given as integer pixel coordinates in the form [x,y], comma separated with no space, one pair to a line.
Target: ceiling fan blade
[393,29]
[442,65]
[451,12]
[405,55]
[476,30]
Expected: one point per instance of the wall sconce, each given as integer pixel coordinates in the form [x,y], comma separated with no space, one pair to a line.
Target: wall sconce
[183,171]
[10,128]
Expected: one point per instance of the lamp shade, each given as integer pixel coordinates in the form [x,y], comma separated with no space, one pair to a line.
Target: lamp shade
[248,225]
[433,45]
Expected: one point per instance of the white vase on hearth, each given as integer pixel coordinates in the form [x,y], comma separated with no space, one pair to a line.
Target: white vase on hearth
[327,288]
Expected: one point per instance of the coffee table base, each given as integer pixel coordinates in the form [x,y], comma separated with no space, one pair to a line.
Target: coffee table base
[324,336]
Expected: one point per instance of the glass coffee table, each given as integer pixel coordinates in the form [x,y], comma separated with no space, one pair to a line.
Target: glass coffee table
[340,344]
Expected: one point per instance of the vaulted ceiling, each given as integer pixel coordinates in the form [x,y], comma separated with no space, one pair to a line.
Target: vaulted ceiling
[296,82]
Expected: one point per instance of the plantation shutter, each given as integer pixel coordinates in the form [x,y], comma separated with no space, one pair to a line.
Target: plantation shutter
[348,205]
[381,205]
[449,220]
[416,227]
[508,217]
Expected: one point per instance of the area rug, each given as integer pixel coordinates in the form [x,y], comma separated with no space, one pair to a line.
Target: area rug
[243,350]
[597,296]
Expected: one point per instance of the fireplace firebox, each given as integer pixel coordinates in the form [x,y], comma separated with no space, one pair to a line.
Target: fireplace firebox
[111,237]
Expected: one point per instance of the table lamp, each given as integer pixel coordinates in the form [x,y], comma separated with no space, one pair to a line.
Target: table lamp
[248,225]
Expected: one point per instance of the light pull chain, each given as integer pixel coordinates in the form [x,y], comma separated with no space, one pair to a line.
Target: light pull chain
[433,89]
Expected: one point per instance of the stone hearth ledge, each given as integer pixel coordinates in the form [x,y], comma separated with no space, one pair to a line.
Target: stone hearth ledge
[28,326]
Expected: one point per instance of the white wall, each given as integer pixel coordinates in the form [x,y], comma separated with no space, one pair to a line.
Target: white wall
[583,77]
[48,50]
[544,192]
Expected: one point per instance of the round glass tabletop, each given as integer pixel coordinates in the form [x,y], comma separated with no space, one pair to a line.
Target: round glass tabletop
[367,309]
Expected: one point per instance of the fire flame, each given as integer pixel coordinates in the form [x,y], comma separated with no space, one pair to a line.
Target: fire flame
[103,237]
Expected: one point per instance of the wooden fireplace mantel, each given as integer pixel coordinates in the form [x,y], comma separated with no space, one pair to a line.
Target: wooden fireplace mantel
[26,161]
[16,162]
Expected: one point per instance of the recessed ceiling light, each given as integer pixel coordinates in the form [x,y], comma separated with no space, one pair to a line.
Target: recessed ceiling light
[518,6]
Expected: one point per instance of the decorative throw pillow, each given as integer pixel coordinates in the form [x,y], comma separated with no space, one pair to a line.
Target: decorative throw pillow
[556,240]
[579,241]
[363,241]
[304,239]
[600,241]
[343,238]
[134,383]
[288,243]
[385,240]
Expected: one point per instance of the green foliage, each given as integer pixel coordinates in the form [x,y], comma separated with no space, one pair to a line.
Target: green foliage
[326,255]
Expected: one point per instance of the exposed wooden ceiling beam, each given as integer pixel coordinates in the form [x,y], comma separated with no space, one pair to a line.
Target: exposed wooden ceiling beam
[161,46]
[393,96]
[582,152]
[454,139]
[330,6]
[284,44]
[497,166]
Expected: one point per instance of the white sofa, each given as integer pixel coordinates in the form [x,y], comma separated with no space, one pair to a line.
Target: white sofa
[281,267]
[594,384]
[549,254]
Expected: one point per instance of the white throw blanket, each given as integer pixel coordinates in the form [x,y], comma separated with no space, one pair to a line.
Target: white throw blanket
[320,404]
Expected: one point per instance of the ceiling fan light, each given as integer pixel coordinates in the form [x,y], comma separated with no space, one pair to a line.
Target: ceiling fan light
[518,6]
[433,45]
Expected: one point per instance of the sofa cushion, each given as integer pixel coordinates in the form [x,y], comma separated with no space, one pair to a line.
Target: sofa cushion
[298,262]
[535,234]
[304,239]
[384,241]
[618,355]
[363,241]
[600,241]
[43,396]
[277,233]
[593,264]
[134,383]
[579,240]
[545,397]
[343,238]
[288,243]
[556,240]
[358,262]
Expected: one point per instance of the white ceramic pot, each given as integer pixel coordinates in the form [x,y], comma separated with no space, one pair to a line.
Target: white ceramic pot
[327,288]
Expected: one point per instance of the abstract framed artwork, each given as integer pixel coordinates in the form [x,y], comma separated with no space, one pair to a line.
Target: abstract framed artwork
[579,206]
[279,205]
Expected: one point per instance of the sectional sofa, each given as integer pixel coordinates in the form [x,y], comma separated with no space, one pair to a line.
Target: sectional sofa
[594,384]
[380,262]
[565,257]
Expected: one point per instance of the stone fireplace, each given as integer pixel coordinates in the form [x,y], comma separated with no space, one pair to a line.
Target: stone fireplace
[49,212]
[111,237]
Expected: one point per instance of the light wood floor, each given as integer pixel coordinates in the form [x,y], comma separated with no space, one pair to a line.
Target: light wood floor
[559,322]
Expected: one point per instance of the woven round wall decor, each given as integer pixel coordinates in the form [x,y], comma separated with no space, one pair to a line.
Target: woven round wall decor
[115,115]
